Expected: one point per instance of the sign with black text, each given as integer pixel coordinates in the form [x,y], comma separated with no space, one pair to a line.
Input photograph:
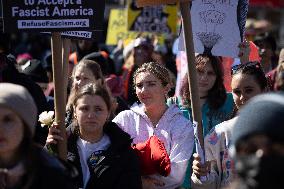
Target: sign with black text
[80,35]
[53,15]
[86,35]
[155,19]
[218,26]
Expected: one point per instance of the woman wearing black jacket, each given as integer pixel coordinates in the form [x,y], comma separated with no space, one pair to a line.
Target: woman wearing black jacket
[99,149]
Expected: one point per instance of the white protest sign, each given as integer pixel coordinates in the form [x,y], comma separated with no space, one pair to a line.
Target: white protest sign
[53,15]
[218,26]
[85,35]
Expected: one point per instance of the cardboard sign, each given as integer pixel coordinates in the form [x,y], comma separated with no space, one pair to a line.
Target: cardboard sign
[143,3]
[53,15]
[156,19]
[117,28]
[218,26]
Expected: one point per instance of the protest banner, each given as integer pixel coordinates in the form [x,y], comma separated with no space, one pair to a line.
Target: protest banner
[117,28]
[155,19]
[53,15]
[218,26]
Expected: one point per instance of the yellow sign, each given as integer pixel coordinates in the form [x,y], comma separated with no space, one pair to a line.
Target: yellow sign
[154,19]
[117,28]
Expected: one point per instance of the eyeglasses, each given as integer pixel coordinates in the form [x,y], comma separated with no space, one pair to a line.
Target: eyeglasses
[253,64]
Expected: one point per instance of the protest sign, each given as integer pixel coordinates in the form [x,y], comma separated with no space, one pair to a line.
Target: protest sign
[156,19]
[86,35]
[81,35]
[117,28]
[53,15]
[218,26]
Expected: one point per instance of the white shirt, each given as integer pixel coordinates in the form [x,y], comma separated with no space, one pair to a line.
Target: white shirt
[85,149]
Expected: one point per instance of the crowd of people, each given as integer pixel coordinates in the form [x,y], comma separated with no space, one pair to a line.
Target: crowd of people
[118,99]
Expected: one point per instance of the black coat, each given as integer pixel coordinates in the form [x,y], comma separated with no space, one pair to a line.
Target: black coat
[45,172]
[117,169]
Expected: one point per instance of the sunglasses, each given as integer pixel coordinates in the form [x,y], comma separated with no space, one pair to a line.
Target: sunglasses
[238,67]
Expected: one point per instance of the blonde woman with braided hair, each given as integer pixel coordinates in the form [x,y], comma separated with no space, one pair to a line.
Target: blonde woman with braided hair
[153,117]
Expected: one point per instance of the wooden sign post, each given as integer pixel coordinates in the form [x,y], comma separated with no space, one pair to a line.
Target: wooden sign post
[192,75]
[189,48]
[59,98]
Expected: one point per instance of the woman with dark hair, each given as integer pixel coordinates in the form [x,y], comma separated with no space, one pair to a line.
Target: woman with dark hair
[216,104]
[98,148]
[22,163]
[248,80]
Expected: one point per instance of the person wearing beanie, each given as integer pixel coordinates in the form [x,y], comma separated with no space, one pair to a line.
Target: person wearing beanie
[248,80]
[22,164]
[258,143]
